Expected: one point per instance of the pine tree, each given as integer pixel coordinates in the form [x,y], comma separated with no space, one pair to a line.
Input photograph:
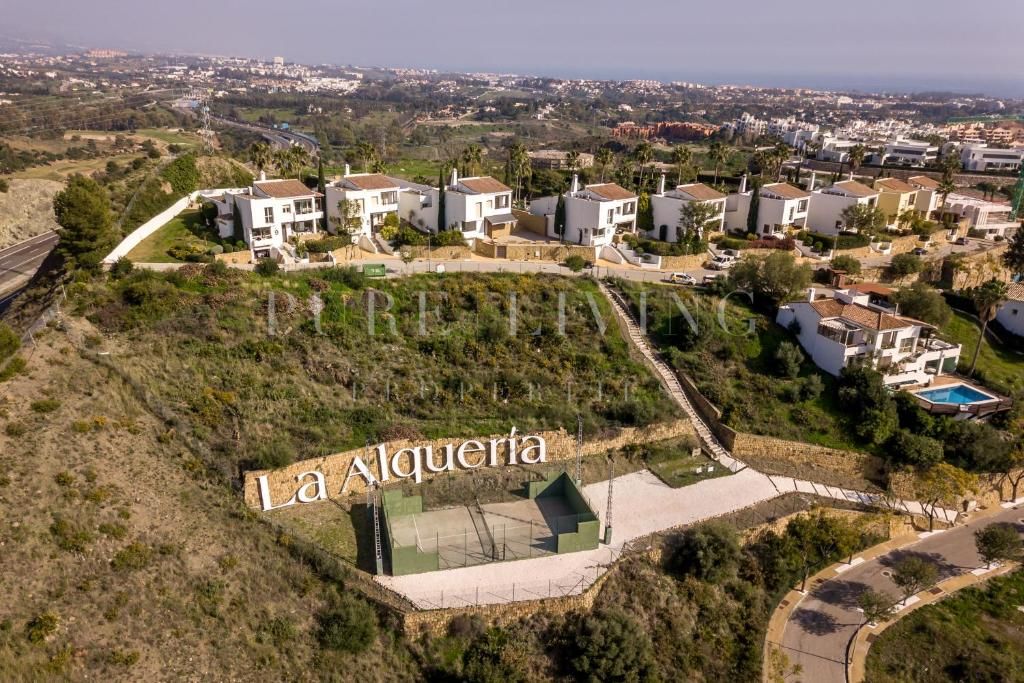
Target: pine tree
[87,231]
[321,186]
[441,225]
[560,217]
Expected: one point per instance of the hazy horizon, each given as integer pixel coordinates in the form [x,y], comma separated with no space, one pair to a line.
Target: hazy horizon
[803,44]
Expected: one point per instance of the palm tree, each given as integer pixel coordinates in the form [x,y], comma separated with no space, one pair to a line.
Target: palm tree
[988,299]
[572,160]
[604,158]
[261,155]
[642,154]
[719,154]
[519,165]
[472,158]
[285,162]
[300,158]
[682,157]
[856,156]
[364,152]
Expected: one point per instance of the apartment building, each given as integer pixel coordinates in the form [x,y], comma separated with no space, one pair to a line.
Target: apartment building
[269,214]
[850,328]
[985,158]
[667,207]
[909,152]
[593,214]
[558,160]
[827,205]
[895,196]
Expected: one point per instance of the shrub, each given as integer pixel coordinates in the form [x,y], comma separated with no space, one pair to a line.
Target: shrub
[575,263]
[448,238]
[350,276]
[709,552]
[15,429]
[846,263]
[121,268]
[923,302]
[4,185]
[69,536]
[46,405]
[14,366]
[9,342]
[905,264]
[322,246]
[41,627]
[612,646]
[267,267]
[789,358]
[350,626]
[811,387]
[133,557]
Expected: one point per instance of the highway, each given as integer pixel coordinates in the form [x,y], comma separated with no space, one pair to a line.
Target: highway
[282,139]
[19,263]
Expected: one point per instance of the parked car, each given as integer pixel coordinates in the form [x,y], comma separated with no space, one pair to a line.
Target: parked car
[920,251]
[962,241]
[721,262]
[709,278]
[681,279]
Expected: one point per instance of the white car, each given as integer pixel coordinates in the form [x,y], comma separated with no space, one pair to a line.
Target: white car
[681,279]
[721,263]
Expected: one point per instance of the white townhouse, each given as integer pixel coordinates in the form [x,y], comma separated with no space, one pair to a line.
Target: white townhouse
[478,206]
[780,207]
[593,214]
[1011,314]
[849,328]
[985,158]
[270,213]
[927,202]
[835,149]
[667,206]
[909,152]
[368,196]
[827,205]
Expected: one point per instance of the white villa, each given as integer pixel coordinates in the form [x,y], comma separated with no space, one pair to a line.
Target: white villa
[985,158]
[781,206]
[370,196]
[478,206]
[992,219]
[1011,314]
[909,152]
[666,208]
[593,214]
[269,213]
[827,205]
[849,328]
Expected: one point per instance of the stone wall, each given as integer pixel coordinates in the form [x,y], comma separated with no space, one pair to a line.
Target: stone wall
[690,262]
[976,269]
[282,483]
[992,489]
[527,221]
[440,253]
[900,245]
[535,251]
[808,457]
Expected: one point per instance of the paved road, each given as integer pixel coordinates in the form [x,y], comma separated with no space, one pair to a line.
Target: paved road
[20,262]
[820,628]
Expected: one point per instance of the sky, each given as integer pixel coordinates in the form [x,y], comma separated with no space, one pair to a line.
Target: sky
[965,46]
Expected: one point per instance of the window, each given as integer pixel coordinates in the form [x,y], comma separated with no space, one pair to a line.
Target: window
[802,206]
[629,207]
[478,209]
[888,340]
[268,214]
[501,201]
[388,197]
[286,208]
[611,215]
[260,234]
[490,205]
[906,345]
[304,206]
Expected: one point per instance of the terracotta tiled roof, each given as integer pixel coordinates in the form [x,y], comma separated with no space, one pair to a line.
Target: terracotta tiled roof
[860,315]
[484,185]
[894,185]
[283,189]
[786,191]
[855,189]
[371,181]
[1015,291]
[872,288]
[700,192]
[610,191]
[924,182]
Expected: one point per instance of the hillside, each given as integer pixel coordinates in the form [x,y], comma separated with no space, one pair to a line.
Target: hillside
[26,210]
[129,561]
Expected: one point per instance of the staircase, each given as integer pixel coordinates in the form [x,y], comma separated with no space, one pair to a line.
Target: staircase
[671,382]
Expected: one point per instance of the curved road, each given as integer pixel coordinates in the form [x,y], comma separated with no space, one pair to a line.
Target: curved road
[820,628]
[18,263]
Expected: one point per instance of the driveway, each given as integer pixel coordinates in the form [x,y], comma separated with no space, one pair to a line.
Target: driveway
[820,628]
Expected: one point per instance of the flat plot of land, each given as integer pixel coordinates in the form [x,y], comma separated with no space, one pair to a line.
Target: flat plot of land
[184,231]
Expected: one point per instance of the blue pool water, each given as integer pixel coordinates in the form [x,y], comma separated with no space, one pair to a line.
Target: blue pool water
[957,394]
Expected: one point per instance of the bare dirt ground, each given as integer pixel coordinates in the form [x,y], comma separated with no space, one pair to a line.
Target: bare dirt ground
[26,210]
[146,567]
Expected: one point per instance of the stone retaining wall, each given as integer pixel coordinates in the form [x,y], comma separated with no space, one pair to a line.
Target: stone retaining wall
[808,457]
[690,262]
[439,253]
[537,251]
[561,446]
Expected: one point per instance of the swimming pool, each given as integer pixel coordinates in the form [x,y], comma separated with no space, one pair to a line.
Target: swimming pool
[956,394]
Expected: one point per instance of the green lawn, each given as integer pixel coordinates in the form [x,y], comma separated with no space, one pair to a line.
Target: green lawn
[184,230]
[1001,367]
[975,635]
[674,463]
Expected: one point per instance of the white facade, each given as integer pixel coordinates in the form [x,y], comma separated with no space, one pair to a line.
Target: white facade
[1011,314]
[780,207]
[373,195]
[827,205]
[991,218]
[836,149]
[910,152]
[667,206]
[476,206]
[928,198]
[271,213]
[985,158]
[836,332]
[594,214]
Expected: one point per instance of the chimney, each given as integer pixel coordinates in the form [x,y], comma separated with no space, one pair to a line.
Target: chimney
[810,183]
[851,175]
[263,175]
[810,294]
[348,170]
[455,177]
[575,184]
[743,183]
[661,184]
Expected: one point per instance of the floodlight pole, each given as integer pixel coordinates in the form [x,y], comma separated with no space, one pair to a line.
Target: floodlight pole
[608,510]
[579,450]
[371,497]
